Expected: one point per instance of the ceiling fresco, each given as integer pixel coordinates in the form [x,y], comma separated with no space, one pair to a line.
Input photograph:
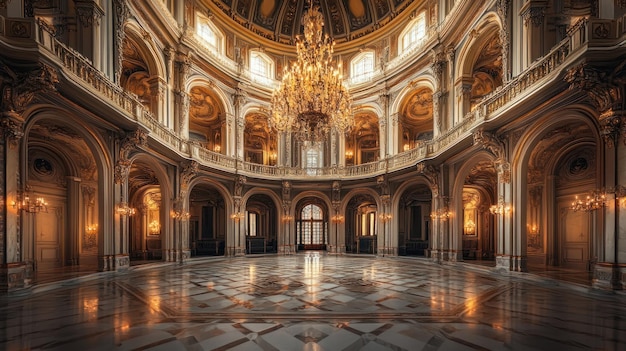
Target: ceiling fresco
[281,20]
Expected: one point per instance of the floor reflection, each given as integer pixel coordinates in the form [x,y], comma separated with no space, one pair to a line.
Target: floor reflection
[312,301]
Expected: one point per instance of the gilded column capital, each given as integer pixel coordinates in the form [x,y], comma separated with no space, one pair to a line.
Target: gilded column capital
[12,129]
[431,173]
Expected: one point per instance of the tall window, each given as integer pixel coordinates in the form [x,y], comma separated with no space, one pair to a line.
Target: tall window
[362,67]
[311,226]
[212,37]
[414,33]
[261,67]
[312,158]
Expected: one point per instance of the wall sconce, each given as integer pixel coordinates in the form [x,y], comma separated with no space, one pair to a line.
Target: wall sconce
[500,208]
[442,214]
[592,202]
[470,227]
[154,228]
[217,148]
[30,206]
[237,216]
[287,218]
[91,229]
[337,218]
[385,217]
[533,230]
[349,154]
[124,210]
[180,215]
[406,147]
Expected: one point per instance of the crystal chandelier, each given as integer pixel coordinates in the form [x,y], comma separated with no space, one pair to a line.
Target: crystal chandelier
[311,100]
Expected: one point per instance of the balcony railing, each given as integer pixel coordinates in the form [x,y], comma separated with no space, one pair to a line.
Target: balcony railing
[80,70]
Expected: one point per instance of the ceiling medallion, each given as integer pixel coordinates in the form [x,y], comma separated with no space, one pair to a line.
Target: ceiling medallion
[311,100]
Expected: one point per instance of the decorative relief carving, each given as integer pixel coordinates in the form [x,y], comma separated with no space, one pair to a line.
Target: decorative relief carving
[132,141]
[431,173]
[336,195]
[88,12]
[20,88]
[122,169]
[534,16]
[239,183]
[383,185]
[12,130]
[190,169]
[494,145]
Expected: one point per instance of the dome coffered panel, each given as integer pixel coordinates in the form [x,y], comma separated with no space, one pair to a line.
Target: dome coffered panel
[281,20]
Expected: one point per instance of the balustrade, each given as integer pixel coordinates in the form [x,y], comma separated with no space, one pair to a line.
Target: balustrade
[548,67]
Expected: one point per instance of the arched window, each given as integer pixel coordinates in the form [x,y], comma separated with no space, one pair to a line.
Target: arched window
[211,36]
[362,67]
[414,33]
[261,67]
[311,232]
[312,158]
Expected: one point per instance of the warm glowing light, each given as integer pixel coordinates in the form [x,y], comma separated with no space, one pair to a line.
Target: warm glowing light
[500,208]
[442,214]
[154,228]
[124,210]
[470,227]
[311,100]
[31,206]
[385,217]
[287,218]
[592,202]
[349,154]
[217,148]
[406,147]
[337,218]
[180,215]
[237,216]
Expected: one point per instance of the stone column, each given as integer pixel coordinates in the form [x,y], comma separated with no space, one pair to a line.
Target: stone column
[383,100]
[74,225]
[610,272]
[14,273]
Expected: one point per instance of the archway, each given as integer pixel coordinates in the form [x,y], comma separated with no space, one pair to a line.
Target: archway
[261,225]
[362,225]
[414,222]
[311,224]
[208,221]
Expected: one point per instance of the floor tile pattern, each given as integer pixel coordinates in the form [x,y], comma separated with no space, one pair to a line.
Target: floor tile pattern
[311,302]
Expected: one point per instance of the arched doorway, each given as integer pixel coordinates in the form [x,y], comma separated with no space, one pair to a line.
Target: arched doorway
[60,201]
[207,224]
[362,225]
[311,224]
[414,222]
[261,225]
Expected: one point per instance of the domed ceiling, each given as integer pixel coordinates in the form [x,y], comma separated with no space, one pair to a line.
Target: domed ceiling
[280,21]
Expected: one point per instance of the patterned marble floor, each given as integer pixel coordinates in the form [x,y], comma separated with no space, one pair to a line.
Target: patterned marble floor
[311,302]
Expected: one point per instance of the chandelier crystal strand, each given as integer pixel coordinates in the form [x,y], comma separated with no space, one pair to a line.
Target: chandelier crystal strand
[311,100]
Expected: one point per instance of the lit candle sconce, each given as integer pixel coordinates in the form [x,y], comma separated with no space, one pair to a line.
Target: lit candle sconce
[337,218]
[349,154]
[500,208]
[442,214]
[237,216]
[592,202]
[180,215]
[31,206]
[91,232]
[124,210]
[287,218]
[406,147]
[385,217]
[533,230]
[217,148]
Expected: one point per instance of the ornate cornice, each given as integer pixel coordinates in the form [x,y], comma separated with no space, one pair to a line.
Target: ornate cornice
[533,15]
[490,142]
[88,12]
[601,87]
